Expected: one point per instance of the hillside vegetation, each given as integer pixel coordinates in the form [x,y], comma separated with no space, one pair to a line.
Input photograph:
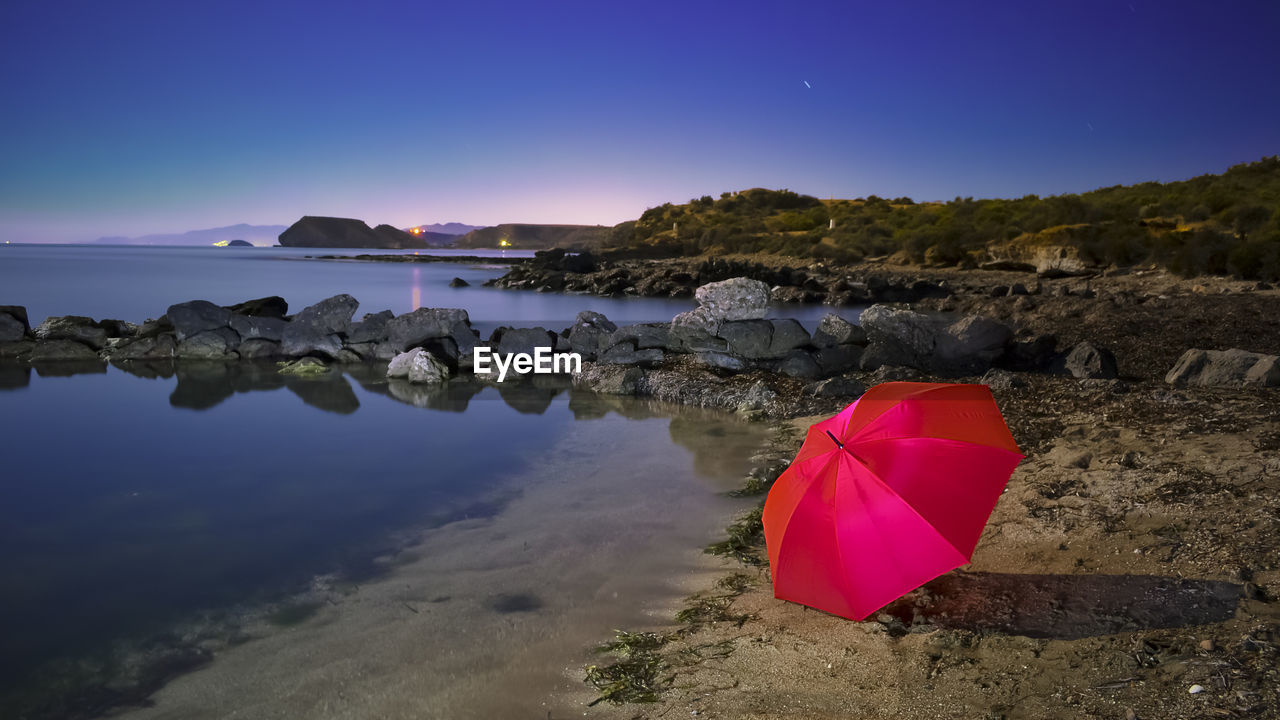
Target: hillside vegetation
[537,237]
[1211,224]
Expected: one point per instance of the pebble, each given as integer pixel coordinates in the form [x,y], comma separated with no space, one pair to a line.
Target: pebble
[1208,645]
[1195,689]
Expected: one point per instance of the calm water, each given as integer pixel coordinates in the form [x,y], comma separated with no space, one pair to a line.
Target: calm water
[136,283]
[152,525]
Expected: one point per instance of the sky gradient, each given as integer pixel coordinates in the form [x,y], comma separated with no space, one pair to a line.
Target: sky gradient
[129,118]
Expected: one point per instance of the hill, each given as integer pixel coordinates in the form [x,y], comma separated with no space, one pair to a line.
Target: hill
[1212,224]
[536,237]
[255,234]
[449,228]
[331,232]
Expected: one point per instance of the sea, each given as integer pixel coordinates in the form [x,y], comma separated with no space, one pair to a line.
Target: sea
[216,540]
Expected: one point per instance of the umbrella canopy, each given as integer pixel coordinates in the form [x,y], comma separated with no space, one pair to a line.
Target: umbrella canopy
[887,495]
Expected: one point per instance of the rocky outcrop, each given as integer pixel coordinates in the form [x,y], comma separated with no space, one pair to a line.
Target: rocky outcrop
[418,366]
[1225,368]
[940,343]
[1087,361]
[331,232]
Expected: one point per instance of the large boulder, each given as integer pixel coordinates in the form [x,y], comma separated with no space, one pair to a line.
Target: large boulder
[145,347]
[1225,368]
[14,325]
[591,334]
[254,326]
[214,344]
[934,342]
[418,366]
[318,329]
[734,299]
[73,327]
[196,316]
[521,340]
[414,328]
[1089,361]
[373,327]
[273,306]
[62,350]
[834,330]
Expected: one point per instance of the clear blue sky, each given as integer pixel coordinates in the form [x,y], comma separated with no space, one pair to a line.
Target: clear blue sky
[123,118]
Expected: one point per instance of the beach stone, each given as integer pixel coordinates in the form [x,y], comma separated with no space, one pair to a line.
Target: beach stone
[1225,368]
[627,354]
[196,316]
[934,342]
[373,327]
[643,335]
[11,329]
[61,349]
[249,327]
[210,344]
[146,347]
[758,395]
[413,328]
[800,364]
[737,298]
[18,313]
[1090,361]
[834,330]
[838,359]
[399,365]
[427,369]
[695,331]
[998,379]
[331,315]
[255,348]
[72,327]
[16,350]
[521,340]
[615,380]
[459,283]
[590,318]
[749,339]
[273,306]
[301,340]
[787,335]
[590,334]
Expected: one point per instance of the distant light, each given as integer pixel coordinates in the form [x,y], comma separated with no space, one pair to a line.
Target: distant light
[503,243]
[416,231]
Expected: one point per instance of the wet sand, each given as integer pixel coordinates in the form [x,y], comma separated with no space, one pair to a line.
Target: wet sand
[496,617]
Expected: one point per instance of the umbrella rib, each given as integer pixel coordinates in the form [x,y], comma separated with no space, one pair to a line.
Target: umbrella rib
[931,437]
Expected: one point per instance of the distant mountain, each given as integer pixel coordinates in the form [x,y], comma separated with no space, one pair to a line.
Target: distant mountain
[450,228]
[331,232]
[255,234]
[535,237]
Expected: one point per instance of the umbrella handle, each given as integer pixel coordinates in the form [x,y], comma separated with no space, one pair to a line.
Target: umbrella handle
[840,445]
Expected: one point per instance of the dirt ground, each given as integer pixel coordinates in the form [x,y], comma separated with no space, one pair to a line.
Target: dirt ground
[1130,570]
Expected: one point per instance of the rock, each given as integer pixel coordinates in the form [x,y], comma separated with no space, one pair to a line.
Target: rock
[427,369]
[590,318]
[196,316]
[273,306]
[255,348]
[800,364]
[615,380]
[758,395]
[72,327]
[18,313]
[249,327]
[373,327]
[644,336]
[1208,645]
[1002,380]
[1059,261]
[843,386]
[839,359]
[61,350]
[145,347]
[1087,360]
[894,373]
[16,350]
[590,334]
[117,329]
[721,360]
[399,365]
[12,329]
[749,339]
[414,328]
[734,299]
[301,340]
[787,335]
[1195,689]
[521,340]
[1069,458]
[627,354]
[695,331]
[331,315]
[934,342]
[1225,368]
[304,367]
[459,282]
[834,330]
[214,344]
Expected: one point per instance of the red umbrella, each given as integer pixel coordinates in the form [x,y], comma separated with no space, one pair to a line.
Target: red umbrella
[887,495]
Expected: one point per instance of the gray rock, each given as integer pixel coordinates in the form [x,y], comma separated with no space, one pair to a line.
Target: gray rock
[843,386]
[834,330]
[616,380]
[459,283]
[588,341]
[273,306]
[758,395]
[644,335]
[255,348]
[787,335]
[329,316]
[11,329]
[372,328]
[627,354]
[364,351]
[998,379]
[399,365]
[18,313]
[695,331]
[734,299]
[72,327]
[414,328]
[522,340]
[894,373]
[427,369]
[838,359]
[1225,368]
[934,342]
[721,360]
[249,327]
[1087,360]
[749,339]
[214,344]
[146,347]
[299,340]
[590,318]
[800,364]
[61,349]
[196,316]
